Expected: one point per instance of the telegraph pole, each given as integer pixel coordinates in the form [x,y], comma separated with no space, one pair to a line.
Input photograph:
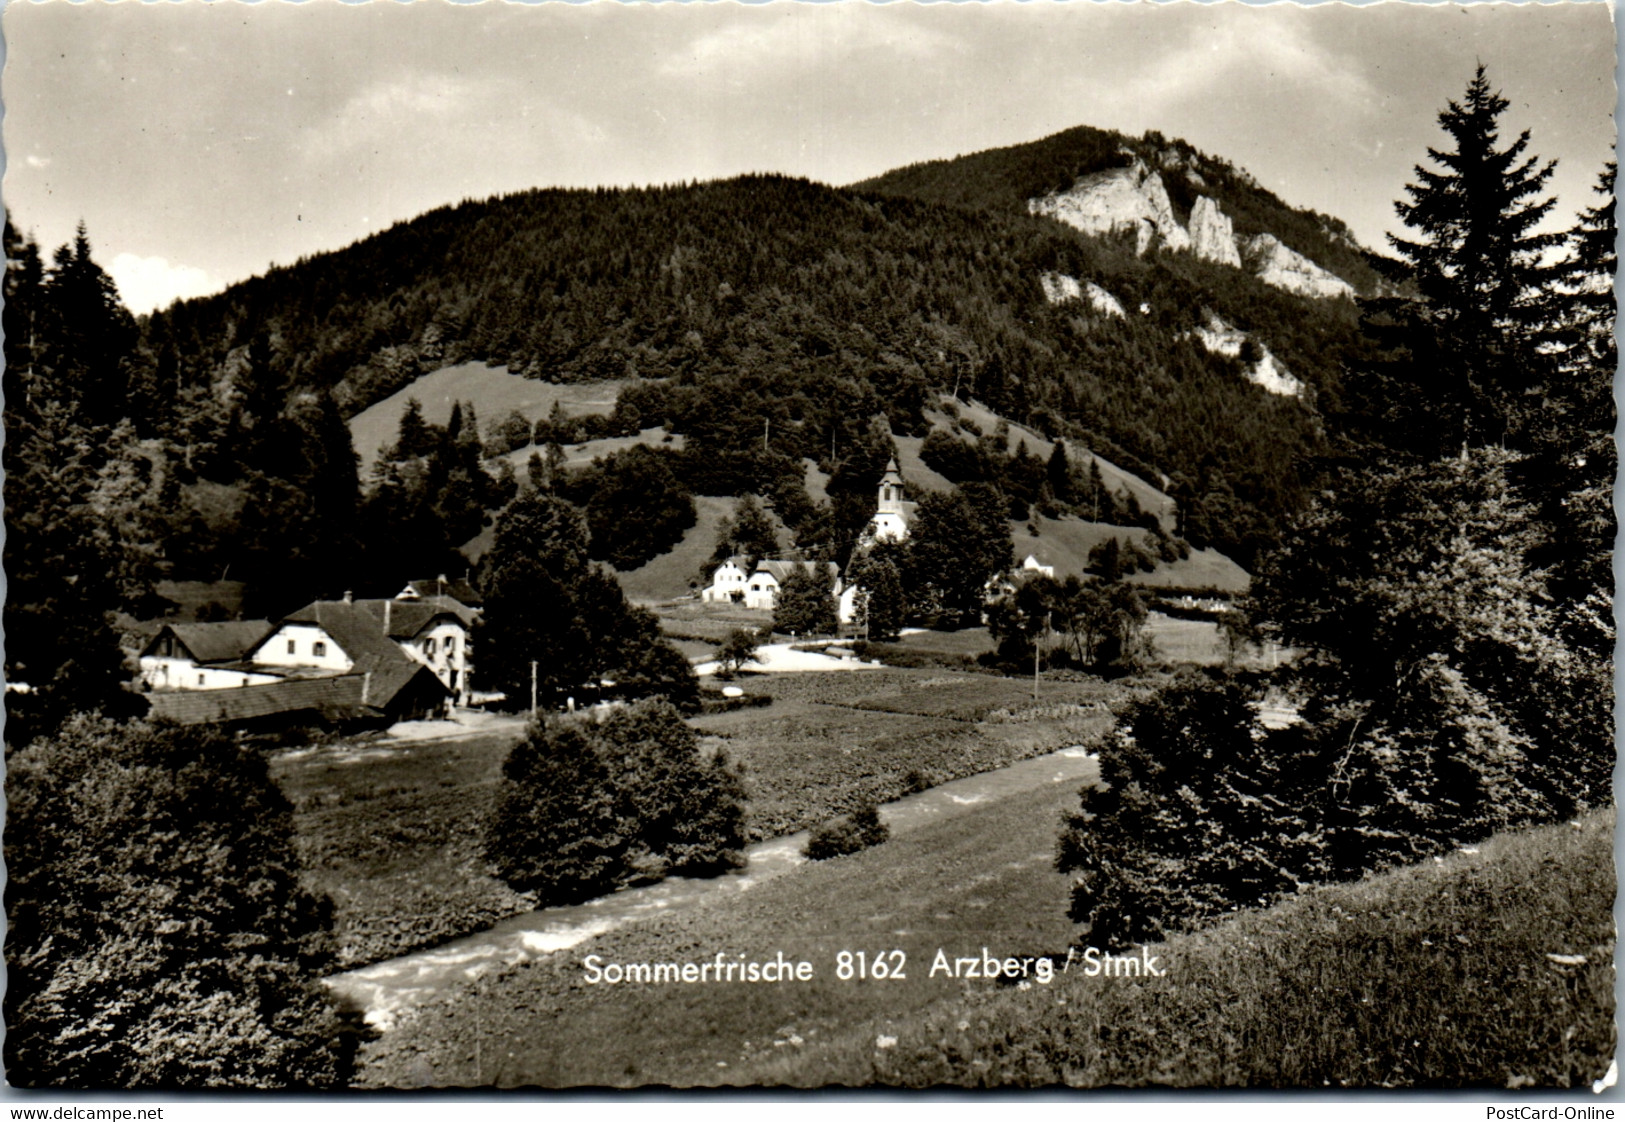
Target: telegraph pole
[533,689]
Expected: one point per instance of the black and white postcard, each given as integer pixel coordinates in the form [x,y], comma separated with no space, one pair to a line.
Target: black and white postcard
[802,545]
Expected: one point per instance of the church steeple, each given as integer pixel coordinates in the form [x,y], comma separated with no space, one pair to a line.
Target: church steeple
[890,522]
[891,490]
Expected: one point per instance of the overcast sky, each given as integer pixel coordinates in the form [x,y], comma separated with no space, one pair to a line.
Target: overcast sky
[201,142]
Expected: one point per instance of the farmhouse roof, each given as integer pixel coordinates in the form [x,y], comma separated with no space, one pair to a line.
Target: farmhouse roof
[459,590]
[409,618]
[225,641]
[362,638]
[332,697]
[781,570]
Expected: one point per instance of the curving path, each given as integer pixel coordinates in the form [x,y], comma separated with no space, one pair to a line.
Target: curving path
[387,989]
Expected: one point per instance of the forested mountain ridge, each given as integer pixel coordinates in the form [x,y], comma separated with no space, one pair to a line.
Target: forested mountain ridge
[813,308]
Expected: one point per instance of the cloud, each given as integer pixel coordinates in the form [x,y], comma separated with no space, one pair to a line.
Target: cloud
[1220,60]
[385,108]
[37,162]
[801,37]
[148,283]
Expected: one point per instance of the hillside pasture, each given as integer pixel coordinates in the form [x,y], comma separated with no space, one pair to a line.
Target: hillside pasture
[1064,543]
[1145,492]
[494,392]
[677,572]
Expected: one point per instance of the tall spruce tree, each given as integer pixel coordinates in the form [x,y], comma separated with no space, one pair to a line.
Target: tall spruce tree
[1462,357]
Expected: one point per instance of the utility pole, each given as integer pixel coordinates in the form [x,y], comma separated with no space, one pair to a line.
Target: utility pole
[1038,647]
[533,689]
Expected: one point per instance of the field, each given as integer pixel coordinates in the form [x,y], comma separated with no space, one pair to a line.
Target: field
[391,834]
[831,742]
[494,392]
[391,830]
[1482,969]
[984,876]
[1177,641]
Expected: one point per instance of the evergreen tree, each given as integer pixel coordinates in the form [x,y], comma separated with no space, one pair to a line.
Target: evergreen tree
[1461,357]
[414,438]
[1570,475]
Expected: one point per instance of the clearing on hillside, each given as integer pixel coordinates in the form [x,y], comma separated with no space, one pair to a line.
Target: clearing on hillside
[494,392]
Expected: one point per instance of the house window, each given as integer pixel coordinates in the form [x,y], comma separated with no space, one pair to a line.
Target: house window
[428,646]
[291,649]
[319,649]
[200,679]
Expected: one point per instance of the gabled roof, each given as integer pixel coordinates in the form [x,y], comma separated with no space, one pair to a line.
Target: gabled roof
[781,570]
[409,618]
[334,696]
[459,590]
[226,641]
[339,697]
[362,638]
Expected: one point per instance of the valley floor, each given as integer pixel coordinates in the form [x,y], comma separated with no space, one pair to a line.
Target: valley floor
[1491,967]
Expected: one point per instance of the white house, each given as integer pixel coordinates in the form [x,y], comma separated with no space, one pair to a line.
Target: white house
[363,636]
[204,656]
[433,630]
[762,590]
[728,583]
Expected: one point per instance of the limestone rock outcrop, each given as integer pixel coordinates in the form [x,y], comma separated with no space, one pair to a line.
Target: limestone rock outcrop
[1266,372]
[1212,236]
[1102,301]
[1287,269]
[1129,198]
[1058,288]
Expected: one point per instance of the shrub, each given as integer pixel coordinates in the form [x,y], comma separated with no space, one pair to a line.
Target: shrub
[586,807]
[158,933]
[847,834]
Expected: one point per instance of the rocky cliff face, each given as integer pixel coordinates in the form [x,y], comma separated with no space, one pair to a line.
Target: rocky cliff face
[1102,301]
[1218,337]
[1275,264]
[1058,288]
[1212,236]
[1131,198]
[1134,198]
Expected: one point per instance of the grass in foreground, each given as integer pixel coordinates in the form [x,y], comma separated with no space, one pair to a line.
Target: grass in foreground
[1438,975]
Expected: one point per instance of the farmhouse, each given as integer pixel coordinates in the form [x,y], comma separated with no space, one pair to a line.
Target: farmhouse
[337,660]
[762,590]
[434,631]
[728,583]
[204,656]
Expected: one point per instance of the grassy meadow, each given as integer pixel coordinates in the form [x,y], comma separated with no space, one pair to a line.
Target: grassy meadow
[1491,968]
[390,830]
[982,877]
[831,742]
[494,392]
